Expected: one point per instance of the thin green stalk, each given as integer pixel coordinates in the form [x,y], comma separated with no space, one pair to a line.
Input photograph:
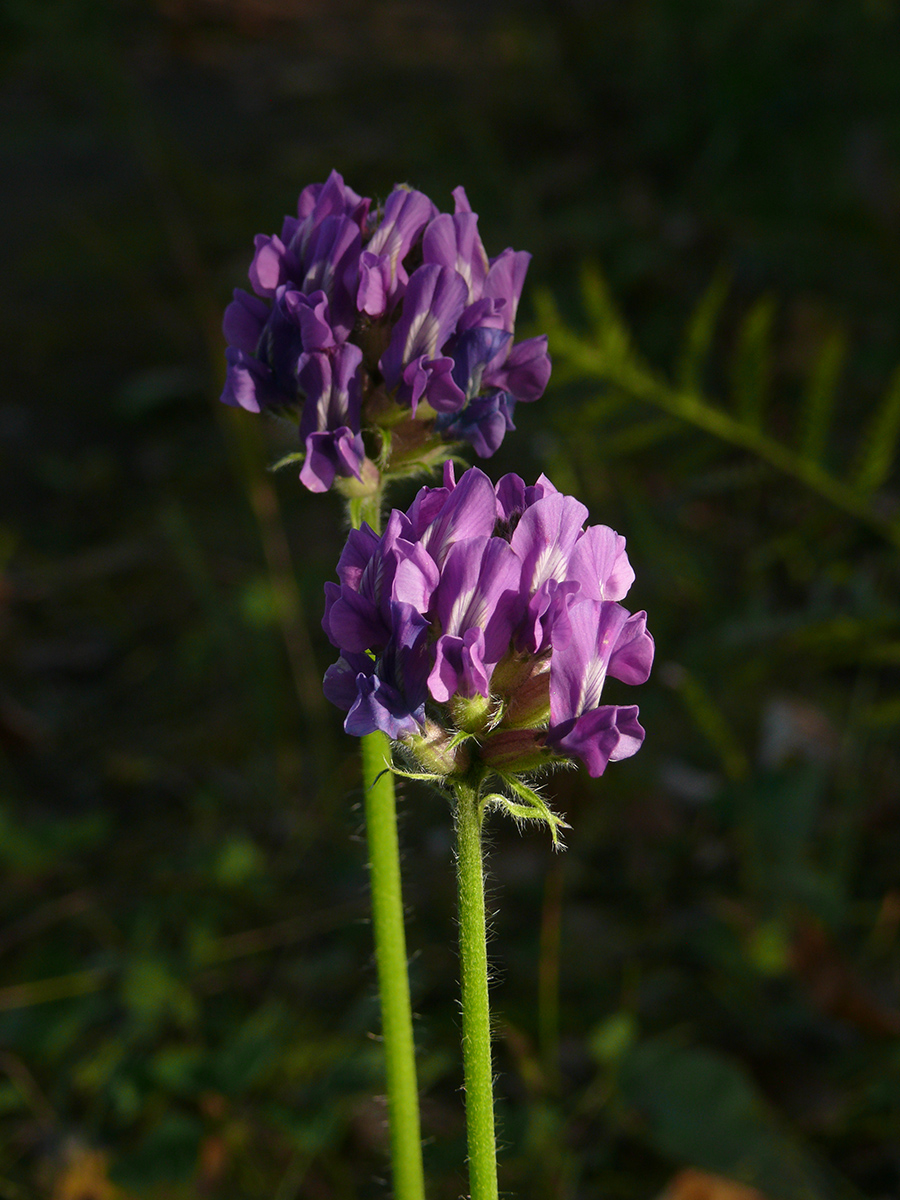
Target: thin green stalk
[476,1017]
[390,944]
[393,979]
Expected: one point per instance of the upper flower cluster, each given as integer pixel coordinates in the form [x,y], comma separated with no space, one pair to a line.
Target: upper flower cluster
[489,612]
[394,321]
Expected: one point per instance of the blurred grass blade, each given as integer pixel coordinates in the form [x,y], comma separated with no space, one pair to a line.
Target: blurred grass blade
[701,330]
[820,396]
[752,368]
[609,328]
[879,445]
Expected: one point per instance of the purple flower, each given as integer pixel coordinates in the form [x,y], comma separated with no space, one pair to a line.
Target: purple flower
[491,612]
[430,319]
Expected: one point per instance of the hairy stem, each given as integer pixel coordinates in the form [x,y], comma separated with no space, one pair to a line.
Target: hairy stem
[393,979]
[476,1018]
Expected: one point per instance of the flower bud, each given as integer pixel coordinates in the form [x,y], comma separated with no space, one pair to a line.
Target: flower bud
[516,751]
[434,748]
[529,701]
[471,714]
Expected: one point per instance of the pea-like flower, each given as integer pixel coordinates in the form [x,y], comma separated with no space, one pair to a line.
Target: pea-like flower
[479,629]
[387,333]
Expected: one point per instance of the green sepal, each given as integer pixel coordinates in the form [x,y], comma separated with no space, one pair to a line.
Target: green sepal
[534,808]
[421,776]
[459,738]
[384,456]
[294,457]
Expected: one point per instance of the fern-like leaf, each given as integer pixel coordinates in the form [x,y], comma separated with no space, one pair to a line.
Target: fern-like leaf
[879,445]
[605,354]
[752,368]
[700,331]
[820,395]
[614,338]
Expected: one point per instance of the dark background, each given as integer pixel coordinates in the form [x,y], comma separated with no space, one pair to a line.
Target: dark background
[708,977]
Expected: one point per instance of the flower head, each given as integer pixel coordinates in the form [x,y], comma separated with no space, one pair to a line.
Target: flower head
[389,334]
[490,615]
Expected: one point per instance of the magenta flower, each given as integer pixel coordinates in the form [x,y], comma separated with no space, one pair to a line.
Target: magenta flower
[491,613]
[389,334]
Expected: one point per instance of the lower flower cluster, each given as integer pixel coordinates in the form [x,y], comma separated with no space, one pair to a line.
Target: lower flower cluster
[479,628]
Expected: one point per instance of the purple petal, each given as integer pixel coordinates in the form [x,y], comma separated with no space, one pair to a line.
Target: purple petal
[250,384]
[510,493]
[505,280]
[472,352]
[484,423]
[331,386]
[374,284]
[632,656]
[335,452]
[432,379]
[354,622]
[243,322]
[525,373]
[461,200]
[468,512]
[479,588]
[600,736]
[545,537]
[459,667]
[319,200]
[310,313]
[600,564]
[454,242]
[406,214]
[381,706]
[392,696]
[416,577]
[332,266]
[340,682]
[546,618]
[578,669]
[435,297]
[267,271]
[281,341]
[357,554]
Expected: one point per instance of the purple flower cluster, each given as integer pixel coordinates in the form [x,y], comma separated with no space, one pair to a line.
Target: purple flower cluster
[394,320]
[488,611]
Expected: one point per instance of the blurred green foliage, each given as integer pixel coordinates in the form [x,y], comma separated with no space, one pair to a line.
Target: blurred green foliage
[709,975]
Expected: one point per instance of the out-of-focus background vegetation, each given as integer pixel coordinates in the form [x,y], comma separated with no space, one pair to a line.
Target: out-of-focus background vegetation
[708,978]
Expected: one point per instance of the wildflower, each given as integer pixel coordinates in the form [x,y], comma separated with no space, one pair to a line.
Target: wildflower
[485,621]
[388,334]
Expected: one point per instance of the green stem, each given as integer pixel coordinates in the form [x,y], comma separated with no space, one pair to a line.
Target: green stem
[390,941]
[476,1017]
[393,980]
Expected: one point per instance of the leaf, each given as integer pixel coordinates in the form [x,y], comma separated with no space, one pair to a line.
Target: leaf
[605,355]
[820,396]
[879,445]
[700,1107]
[612,336]
[752,369]
[701,330]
